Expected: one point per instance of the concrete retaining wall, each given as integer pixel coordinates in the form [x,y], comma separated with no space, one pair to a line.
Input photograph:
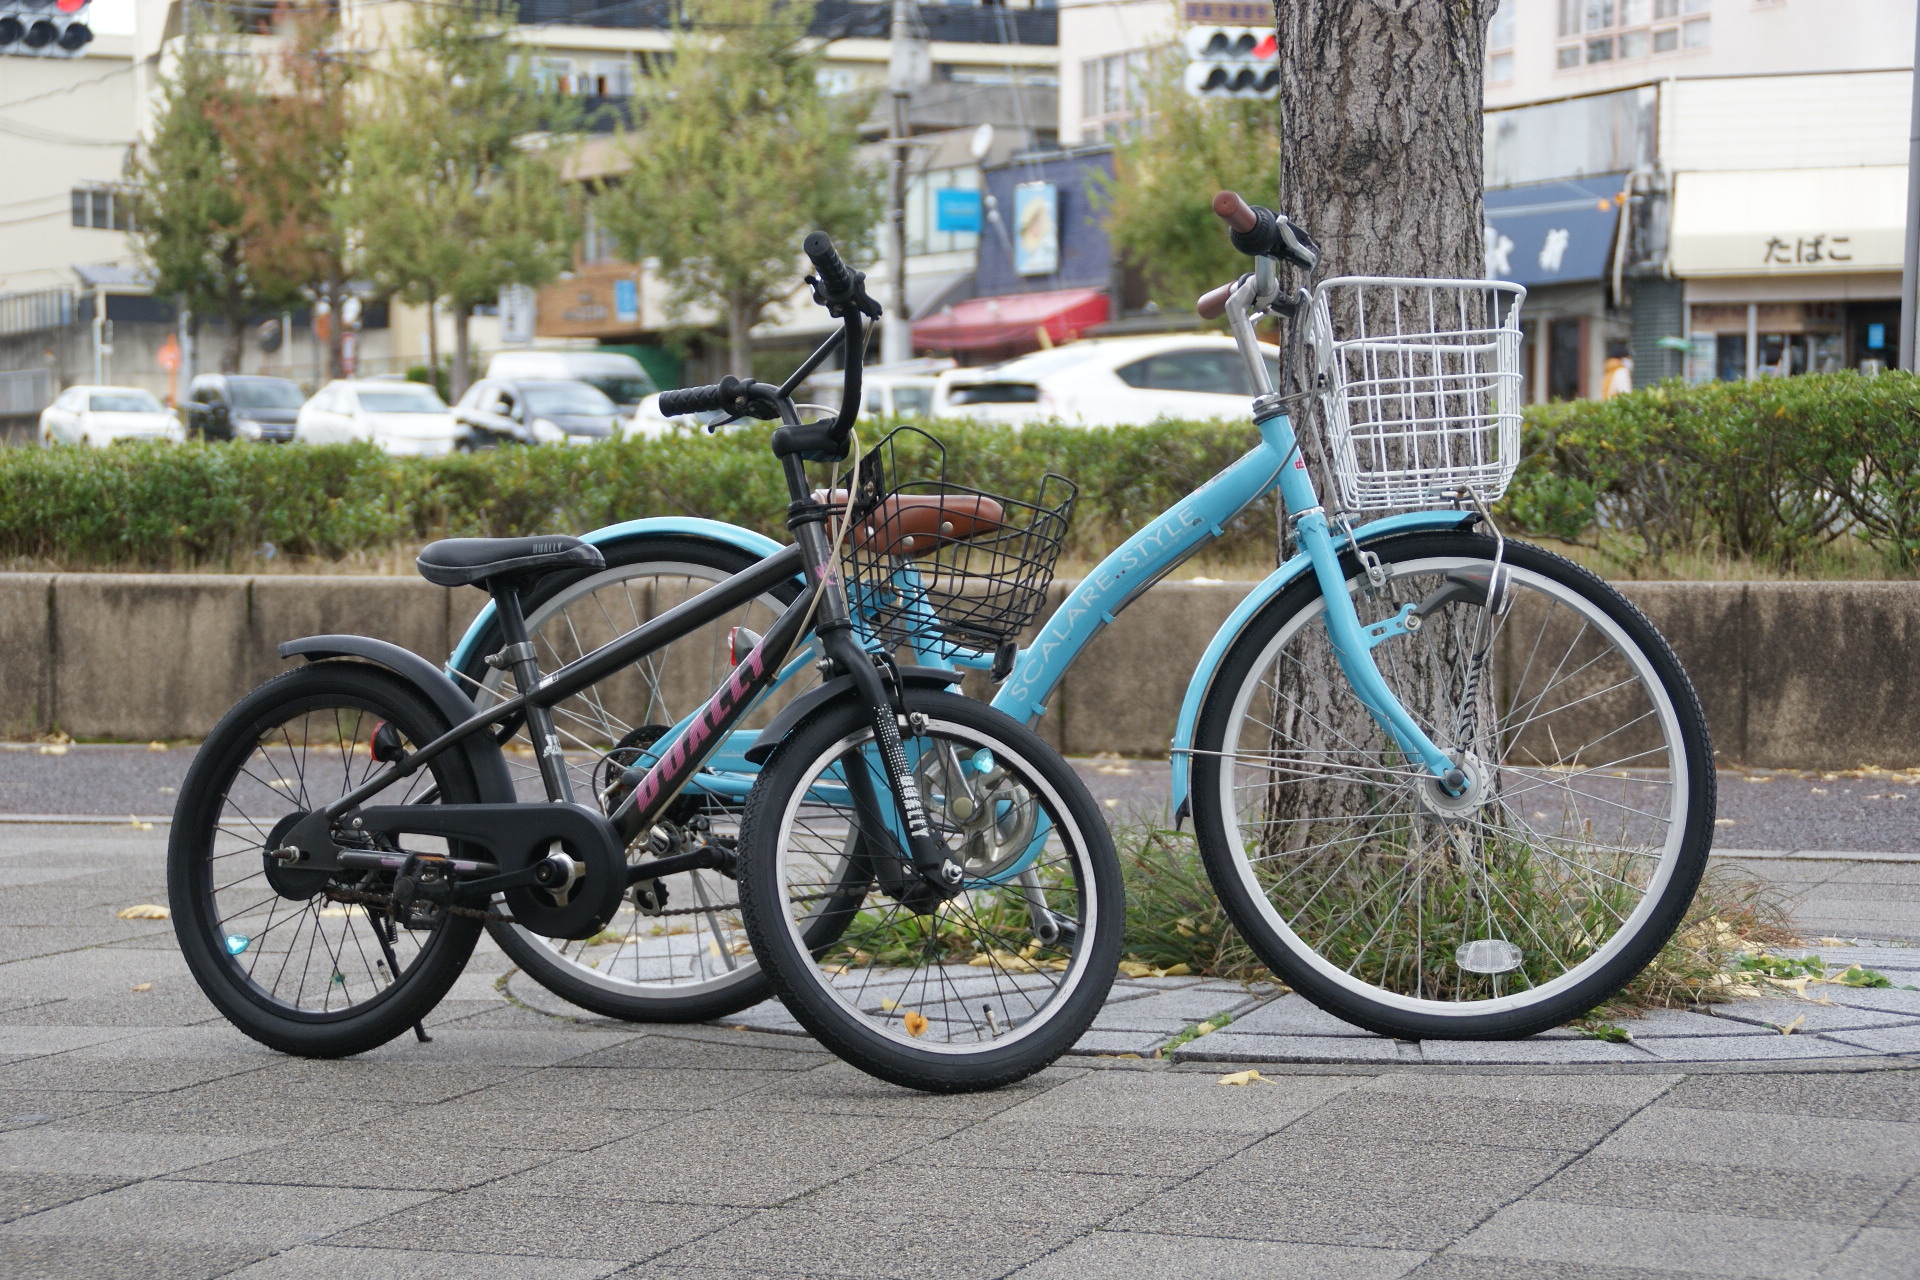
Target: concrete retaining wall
[1793,675]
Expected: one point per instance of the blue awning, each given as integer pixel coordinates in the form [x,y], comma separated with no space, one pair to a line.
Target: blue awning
[1554,232]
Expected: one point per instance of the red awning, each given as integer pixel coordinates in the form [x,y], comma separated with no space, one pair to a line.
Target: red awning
[1015,320]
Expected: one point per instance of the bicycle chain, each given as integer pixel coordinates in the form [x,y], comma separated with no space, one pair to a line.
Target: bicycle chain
[362,897]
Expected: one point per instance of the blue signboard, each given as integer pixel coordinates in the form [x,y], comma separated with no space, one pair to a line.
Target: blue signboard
[1553,232]
[626,300]
[956,209]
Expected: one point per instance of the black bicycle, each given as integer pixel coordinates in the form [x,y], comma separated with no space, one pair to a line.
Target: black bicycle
[929,886]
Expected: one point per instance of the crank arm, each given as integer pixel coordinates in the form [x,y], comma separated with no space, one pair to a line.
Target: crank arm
[705,858]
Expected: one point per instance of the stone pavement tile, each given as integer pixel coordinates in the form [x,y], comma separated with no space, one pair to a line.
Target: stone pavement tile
[1772,1047]
[834,1088]
[1065,1199]
[57,1258]
[329,1262]
[25,1193]
[1807,1195]
[460,1123]
[1107,1254]
[768,1015]
[1657,1024]
[59,1072]
[418,1079]
[1294,1015]
[1814,1015]
[1693,1243]
[1859,1095]
[1883,1039]
[69,1149]
[106,972]
[762,1053]
[1178,1101]
[395,1161]
[565,1090]
[205,1110]
[1678,1134]
[1098,1043]
[1535,1049]
[1881,999]
[213,1213]
[1338,1191]
[593,1220]
[20,1042]
[1168,1011]
[819,1242]
[174,1002]
[1231,1046]
[1458,1266]
[1586,1089]
[733,1157]
[1485,1122]
[1876,1254]
[1002,1143]
[23,1108]
[468,1017]
[1903,1210]
[463,1047]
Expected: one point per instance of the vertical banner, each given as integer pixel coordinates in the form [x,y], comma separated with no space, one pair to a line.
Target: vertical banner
[1036,223]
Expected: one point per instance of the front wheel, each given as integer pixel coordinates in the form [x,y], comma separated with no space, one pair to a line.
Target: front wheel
[984,988]
[1527,900]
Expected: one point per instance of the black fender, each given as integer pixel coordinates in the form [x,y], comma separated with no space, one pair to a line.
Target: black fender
[433,684]
[838,687]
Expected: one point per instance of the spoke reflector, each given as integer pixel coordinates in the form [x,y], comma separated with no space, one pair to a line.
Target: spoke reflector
[1488,955]
[237,942]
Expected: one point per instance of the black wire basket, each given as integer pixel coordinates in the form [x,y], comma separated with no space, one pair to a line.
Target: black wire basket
[924,552]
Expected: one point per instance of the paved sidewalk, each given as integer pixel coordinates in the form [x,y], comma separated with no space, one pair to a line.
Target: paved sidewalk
[142,1136]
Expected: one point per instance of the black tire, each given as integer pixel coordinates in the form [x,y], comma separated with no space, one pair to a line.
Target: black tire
[227,815]
[1079,890]
[1323,846]
[583,972]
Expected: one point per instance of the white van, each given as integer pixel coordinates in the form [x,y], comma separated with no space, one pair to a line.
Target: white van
[620,376]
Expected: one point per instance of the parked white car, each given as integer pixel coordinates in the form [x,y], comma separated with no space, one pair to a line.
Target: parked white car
[400,417]
[617,375]
[1107,382]
[902,390]
[102,415]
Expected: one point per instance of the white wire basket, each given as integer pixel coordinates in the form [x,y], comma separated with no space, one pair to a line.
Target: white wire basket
[1421,382]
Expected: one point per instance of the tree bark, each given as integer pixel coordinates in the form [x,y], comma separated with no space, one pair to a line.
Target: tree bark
[462,351]
[433,344]
[1381,134]
[336,295]
[740,318]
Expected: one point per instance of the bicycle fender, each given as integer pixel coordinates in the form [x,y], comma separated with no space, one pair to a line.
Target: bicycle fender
[732,535]
[1272,585]
[838,687]
[489,764]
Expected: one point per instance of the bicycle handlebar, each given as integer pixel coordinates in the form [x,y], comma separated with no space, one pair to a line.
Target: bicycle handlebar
[1213,303]
[718,395]
[1260,232]
[837,283]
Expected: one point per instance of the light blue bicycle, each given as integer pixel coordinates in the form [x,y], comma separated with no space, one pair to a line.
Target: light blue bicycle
[1447,784]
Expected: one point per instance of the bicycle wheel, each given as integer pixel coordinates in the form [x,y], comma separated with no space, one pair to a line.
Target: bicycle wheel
[306,961]
[990,986]
[1537,894]
[684,959]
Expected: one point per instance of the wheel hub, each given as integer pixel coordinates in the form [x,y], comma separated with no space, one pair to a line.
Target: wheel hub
[1450,807]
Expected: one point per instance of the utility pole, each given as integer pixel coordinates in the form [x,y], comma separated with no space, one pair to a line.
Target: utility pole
[906,57]
[1910,276]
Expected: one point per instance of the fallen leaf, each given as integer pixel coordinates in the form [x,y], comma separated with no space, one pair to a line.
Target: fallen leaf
[1244,1077]
[916,1023]
[888,1006]
[1788,1029]
[156,746]
[1180,970]
[1135,969]
[133,820]
[54,749]
[1726,822]
[144,986]
[146,911]
[1204,1029]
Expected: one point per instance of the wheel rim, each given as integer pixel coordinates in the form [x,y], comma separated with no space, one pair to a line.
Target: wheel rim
[699,946]
[1566,858]
[320,957]
[928,982]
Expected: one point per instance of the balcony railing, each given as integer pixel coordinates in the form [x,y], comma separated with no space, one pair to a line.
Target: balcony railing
[834,19]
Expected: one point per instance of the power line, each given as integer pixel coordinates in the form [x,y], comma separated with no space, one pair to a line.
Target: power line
[78,84]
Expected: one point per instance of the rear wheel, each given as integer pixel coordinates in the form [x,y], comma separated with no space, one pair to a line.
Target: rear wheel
[684,956]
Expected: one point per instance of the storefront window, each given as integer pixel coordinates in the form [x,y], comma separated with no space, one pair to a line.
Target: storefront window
[1565,356]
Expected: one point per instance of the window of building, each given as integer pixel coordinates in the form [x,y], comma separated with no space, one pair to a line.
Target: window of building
[1598,31]
[102,208]
[609,78]
[1112,93]
[1500,45]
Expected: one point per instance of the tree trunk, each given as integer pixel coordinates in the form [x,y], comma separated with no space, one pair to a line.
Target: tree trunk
[433,344]
[740,318]
[1381,137]
[233,336]
[462,350]
[336,294]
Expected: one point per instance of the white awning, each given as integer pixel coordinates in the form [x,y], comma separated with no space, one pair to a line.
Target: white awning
[1784,222]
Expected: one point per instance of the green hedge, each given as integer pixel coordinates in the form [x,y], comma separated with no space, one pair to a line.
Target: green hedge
[1769,471]
[155,506]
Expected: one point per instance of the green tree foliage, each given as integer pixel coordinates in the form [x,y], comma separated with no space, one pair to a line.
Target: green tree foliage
[192,227]
[735,155]
[452,192]
[1159,210]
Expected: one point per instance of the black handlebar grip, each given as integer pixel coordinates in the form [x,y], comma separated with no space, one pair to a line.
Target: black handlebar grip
[836,278]
[718,395]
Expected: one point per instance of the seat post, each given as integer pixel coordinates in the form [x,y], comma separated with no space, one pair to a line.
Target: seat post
[518,656]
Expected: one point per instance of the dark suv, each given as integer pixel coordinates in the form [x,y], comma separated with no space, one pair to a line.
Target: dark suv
[233,406]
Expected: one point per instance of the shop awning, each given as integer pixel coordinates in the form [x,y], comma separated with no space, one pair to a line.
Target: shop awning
[1789,221]
[1013,320]
[1554,232]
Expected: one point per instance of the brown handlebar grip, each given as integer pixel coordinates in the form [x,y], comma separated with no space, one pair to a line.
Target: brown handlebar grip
[1213,303]
[1235,211]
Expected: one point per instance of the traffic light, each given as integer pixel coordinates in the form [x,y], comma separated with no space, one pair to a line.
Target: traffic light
[1232,62]
[44,28]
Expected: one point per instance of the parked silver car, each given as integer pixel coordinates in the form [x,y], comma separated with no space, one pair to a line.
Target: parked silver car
[103,415]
